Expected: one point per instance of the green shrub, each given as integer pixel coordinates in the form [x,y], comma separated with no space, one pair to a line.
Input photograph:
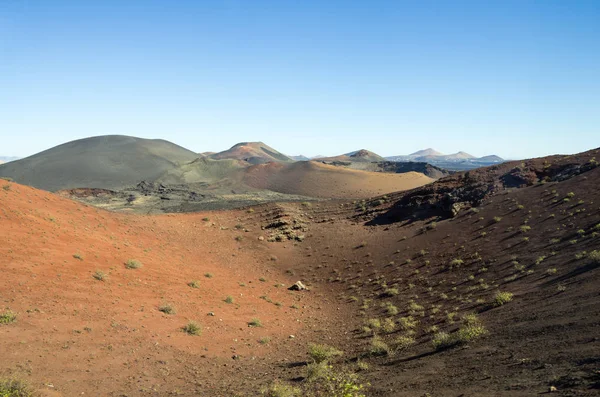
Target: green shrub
[15,388]
[502,298]
[388,325]
[192,328]
[442,340]
[7,317]
[525,228]
[389,292]
[456,263]
[194,284]
[379,347]
[470,332]
[322,353]
[407,323]
[99,275]
[167,308]
[133,264]
[229,299]
[208,275]
[255,322]
[404,342]
[280,389]
[594,256]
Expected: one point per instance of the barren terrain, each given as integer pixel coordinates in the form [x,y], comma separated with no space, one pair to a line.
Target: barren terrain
[504,260]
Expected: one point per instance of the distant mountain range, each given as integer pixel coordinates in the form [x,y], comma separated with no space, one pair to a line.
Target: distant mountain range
[455,161]
[6,159]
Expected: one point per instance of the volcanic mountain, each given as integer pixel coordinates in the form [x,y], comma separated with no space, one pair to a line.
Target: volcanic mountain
[361,155]
[109,162]
[253,153]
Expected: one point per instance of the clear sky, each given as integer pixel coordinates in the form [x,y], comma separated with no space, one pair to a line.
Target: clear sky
[514,78]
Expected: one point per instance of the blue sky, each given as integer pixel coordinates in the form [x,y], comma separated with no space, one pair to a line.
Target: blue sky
[514,78]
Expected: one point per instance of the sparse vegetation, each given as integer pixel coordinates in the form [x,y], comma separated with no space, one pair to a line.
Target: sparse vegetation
[502,298]
[194,284]
[100,275]
[192,328]
[133,264]
[379,347]
[167,308]
[15,388]
[322,353]
[228,299]
[255,322]
[7,317]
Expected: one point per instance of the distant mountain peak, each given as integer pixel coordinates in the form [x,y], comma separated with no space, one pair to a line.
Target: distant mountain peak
[426,152]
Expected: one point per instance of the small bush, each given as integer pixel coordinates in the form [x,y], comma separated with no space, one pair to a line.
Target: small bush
[497,219]
[15,388]
[322,353]
[167,308]
[194,284]
[525,228]
[99,275]
[133,264]
[594,256]
[374,323]
[379,347]
[470,332]
[408,323]
[208,275]
[502,298]
[404,342]
[456,263]
[388,326]
[192,328]
[255,322]
[389,292]
[7,317]
[442,340]
[78,256]
[280,389]
[229,299]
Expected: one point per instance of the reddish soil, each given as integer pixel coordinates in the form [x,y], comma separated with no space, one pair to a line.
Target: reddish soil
[81,335]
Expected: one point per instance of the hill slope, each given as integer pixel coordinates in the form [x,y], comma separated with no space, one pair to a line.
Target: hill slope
[253,153]
[109,162]
[361,155]
[314,179]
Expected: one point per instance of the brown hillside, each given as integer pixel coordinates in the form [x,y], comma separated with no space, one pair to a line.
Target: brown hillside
[253,153]
[314,179]
[83,335]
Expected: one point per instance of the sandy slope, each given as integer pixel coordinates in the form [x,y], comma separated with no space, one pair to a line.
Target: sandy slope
[105,337]
[314,179]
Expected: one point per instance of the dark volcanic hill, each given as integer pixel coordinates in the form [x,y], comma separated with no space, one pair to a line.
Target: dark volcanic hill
[424,168]
[361,156]
[108,162]
[253,153]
